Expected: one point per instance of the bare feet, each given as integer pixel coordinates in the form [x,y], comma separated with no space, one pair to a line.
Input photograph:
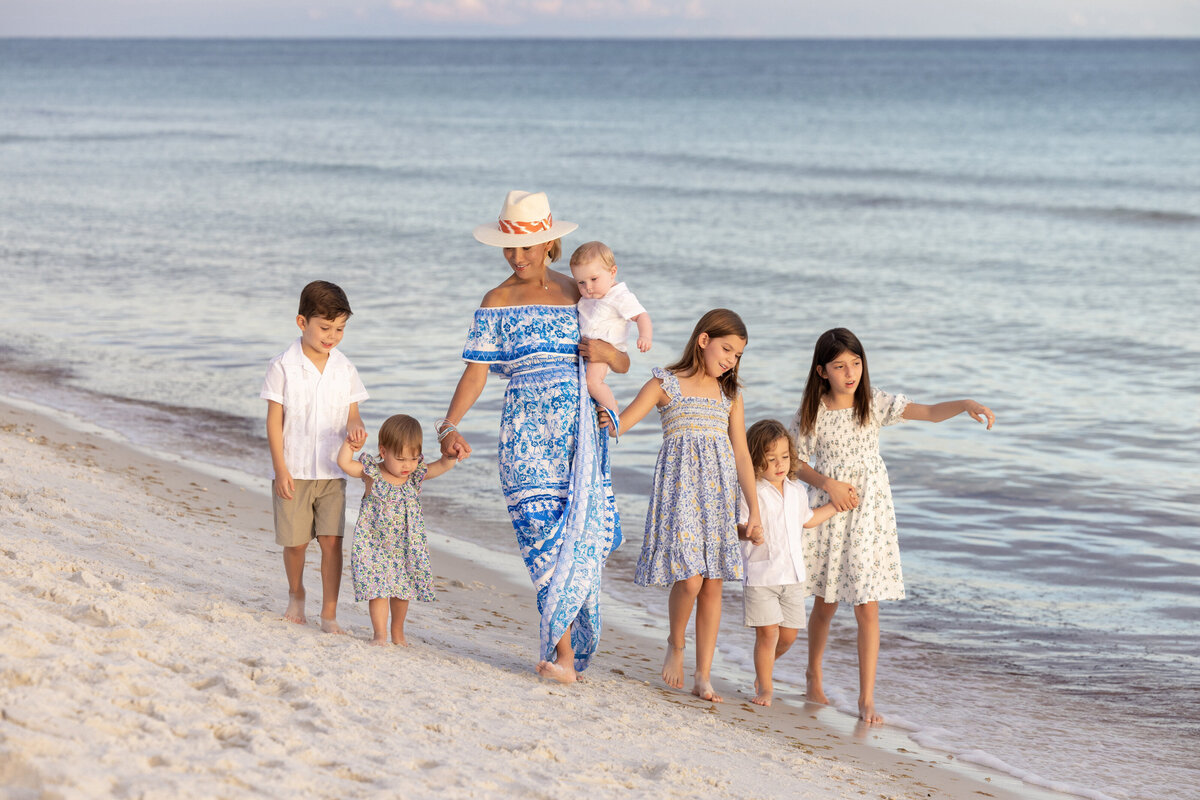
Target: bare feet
[400,641]
[552,671]
[813,691]
[868,714]
[377,642]
[295,609]
[331,626]
[704,690]
[672,671]
[762,697]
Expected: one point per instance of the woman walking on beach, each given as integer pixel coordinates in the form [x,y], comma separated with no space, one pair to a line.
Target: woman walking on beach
[854,557]
[553,463]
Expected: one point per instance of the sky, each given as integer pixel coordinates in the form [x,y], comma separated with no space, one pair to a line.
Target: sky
[601,18]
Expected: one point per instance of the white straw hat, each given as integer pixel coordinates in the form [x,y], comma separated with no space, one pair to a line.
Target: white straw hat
[525,220]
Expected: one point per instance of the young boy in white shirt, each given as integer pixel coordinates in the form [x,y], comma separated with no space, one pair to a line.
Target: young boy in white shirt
[312,392]
[773,575]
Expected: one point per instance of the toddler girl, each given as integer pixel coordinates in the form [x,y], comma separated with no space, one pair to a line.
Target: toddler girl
[691,528]
[854,558]
[773,590]
[389,560]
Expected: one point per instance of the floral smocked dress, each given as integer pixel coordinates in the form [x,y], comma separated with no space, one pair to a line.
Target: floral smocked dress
[854,557]
[389,557]
[691,524]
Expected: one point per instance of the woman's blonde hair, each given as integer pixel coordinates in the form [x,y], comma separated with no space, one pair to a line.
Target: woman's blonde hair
[716,323]
[761,438]
[400,432]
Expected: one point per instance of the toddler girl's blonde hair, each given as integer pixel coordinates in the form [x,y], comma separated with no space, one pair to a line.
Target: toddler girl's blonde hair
[589,250]
[759,439]
[400,432]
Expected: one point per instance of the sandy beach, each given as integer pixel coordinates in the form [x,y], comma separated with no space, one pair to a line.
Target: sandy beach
[142,655]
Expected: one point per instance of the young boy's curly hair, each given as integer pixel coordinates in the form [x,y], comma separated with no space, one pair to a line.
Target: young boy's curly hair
[761,437]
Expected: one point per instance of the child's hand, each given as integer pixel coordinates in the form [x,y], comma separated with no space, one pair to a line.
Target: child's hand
[643,343]
[754,531]
[606,422]
[745,536]
[843,495]
[356,439]
[980,413]
[285,487]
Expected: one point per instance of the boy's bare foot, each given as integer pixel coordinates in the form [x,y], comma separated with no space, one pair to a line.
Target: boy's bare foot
[377,642]
[331,626]
[868,714]
[762,697]
[704,690]
[553,671]
[400,642]
[295,609]
[813,692]
[672,671]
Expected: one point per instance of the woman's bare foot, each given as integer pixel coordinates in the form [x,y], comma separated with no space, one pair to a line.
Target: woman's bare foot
[672,671]
[399,641]
[552,671]
[380,642]
[762,697]
[295,609]
[868,714]
[704,690]
[813,692]
[331,626]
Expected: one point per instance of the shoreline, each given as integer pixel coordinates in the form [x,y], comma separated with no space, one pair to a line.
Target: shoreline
[115,534]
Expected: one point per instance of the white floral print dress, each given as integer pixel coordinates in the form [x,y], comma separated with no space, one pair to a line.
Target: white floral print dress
[855,556]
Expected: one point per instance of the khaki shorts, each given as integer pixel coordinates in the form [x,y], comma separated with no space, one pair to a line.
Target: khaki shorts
[317,508]
[773,605]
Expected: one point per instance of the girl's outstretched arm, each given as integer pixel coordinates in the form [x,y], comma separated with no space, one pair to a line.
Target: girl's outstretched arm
[951,408]
[745,468]
[843,495]
[470,386]
[346,460]
[443,464]
[651,395]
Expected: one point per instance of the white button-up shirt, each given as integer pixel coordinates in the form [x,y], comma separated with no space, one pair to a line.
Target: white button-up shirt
[779,560]
[316,406]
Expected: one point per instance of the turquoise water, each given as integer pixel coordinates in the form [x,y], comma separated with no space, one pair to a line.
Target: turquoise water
[1014,221]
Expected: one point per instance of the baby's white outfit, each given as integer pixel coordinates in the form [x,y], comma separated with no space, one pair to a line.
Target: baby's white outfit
[608,317]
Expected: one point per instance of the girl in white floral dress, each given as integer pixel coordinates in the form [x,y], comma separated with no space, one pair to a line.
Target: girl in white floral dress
[389,559]
[854,557]
[691,540]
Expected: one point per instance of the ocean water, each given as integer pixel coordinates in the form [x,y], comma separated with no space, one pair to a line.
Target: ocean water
[1014,221]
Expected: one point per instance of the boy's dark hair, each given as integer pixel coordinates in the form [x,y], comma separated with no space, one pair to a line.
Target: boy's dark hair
[325,300]
[762,436]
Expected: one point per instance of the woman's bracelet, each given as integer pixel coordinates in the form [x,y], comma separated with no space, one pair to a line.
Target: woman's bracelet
[444,428]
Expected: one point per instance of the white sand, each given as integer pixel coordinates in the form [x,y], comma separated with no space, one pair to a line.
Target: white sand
[142,655]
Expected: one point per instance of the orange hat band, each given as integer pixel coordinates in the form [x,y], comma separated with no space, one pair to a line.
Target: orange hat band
[520,226]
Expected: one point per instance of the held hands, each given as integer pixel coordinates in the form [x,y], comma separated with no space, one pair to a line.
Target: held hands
[843,496]
[355,438]
[754,538]
[980,413]
[455,446]
[605,422]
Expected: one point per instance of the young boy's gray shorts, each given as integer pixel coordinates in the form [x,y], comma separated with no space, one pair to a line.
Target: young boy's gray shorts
[773,605]
[317,508]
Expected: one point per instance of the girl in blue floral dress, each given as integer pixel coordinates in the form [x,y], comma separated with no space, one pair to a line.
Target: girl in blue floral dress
[389,559]
[691,539]
[553,462]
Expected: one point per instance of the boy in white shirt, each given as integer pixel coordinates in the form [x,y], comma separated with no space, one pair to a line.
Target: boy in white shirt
[605,310]
[312,393]
[773,578]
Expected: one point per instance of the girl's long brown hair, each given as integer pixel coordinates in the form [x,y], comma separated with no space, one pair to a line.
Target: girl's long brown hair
[716,323]
[830,345]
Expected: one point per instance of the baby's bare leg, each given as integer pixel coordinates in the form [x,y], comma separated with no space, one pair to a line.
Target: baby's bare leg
[377,607]
[293,567]
[399,612]
[597,388]
[331,581]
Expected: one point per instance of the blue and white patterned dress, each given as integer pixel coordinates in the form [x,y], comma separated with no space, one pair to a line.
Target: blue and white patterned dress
[554,467]
[691,524]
